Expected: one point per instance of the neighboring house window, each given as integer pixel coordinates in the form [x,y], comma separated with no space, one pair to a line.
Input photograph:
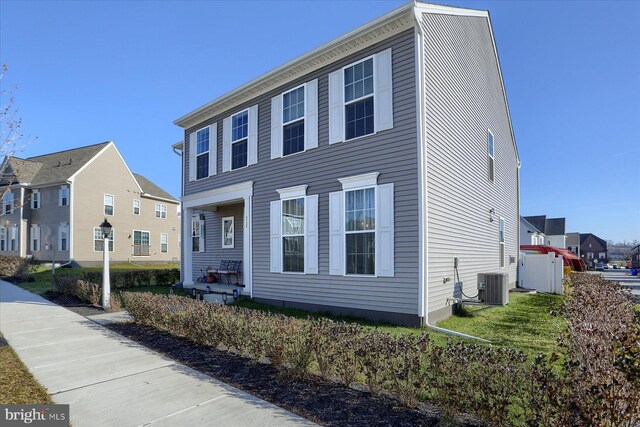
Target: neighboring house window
[228,232]
[164,243]
[98,240]
[490,155]
[239,139]
[358,99]
[361,227]
[136,207]
[202,153]
[197,233]
[63,237]
[63,196]
[108,204]
[7,203]
[501,222]
[35,238]
[293,231]
[35,199]
[590,255]
[161,211]
[3,239]
[140,243]
[293,121]
[589,245]
[602,255]
[14,238]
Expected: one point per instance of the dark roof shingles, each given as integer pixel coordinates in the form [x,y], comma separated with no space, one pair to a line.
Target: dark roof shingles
[151,189]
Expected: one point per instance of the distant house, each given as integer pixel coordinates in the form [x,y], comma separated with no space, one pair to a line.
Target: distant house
[593,249]
[573,243]
[53,205]
[530,234]
[552,228]
[373,176]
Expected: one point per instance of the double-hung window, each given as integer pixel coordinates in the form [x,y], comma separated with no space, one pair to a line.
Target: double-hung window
[35,199]
[108,204]
[14,238]
[63,237]
[293,231]
[136,207]
[228,232]
[35,237]
[7,203]
[3,239]
[490,155]
[293,115]
[63,196]
[164,243]
[360,231]
[161,211]
[358,99]
[239,139]
[141,240]
[98,240]
[202,153]
[501,254]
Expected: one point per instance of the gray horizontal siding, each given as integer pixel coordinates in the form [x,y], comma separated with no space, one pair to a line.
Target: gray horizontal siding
[463,97]
[393,153]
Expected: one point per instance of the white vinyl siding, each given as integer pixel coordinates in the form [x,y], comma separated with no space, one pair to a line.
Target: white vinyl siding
[63,196]
[35,238]
[35,199]
[109,204]
[361,98]
[228,232]
[98,240]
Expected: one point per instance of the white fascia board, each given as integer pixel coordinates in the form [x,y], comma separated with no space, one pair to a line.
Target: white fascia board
[83,167]
[359,181]
[449,10]
[218,195]
[162,199]
[292,192]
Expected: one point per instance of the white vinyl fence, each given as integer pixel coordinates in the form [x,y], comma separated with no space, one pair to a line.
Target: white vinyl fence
[542,272]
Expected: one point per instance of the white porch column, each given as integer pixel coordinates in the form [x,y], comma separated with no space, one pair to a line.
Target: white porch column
[187,253]
[247,253]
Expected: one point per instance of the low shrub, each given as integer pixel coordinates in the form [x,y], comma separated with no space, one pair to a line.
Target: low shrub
[83,290]
[133,278]
[14,266]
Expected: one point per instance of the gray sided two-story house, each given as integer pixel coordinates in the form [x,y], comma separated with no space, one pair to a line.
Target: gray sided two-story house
[54,204]
[354,178]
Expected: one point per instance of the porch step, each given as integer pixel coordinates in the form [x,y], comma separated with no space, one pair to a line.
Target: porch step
[218,299]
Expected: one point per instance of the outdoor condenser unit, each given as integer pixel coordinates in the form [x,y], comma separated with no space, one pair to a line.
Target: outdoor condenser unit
[493,288]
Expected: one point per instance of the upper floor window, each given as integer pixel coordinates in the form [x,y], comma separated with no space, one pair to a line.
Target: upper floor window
[239,139]
[293,121]
[7,203]
[35,199]
[202,153]
[361,98]
[63,196]
[161,211]
[108,204]
[136,207]
[490,154]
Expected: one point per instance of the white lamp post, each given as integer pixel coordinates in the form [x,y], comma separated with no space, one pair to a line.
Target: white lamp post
[106,286]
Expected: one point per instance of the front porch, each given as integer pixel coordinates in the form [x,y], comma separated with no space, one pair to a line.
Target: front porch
[217,230]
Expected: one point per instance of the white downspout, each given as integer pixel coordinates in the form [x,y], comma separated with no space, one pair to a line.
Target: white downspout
[423,289]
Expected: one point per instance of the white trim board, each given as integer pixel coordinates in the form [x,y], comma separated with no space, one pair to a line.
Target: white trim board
[219,195]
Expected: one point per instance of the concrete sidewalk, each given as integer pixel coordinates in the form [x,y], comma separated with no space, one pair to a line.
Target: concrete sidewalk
[109,380]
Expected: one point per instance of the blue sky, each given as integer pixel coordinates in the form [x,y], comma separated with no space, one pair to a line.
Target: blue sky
[88,72]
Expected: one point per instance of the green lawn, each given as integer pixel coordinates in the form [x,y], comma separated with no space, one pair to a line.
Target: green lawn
[18,386]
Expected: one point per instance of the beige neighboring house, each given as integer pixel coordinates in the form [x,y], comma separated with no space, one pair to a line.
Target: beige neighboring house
[56,202]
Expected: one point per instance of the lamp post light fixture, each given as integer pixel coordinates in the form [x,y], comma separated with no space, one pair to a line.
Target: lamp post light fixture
[105,227]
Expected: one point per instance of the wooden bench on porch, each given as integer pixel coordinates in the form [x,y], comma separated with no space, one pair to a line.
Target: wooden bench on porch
[227,269]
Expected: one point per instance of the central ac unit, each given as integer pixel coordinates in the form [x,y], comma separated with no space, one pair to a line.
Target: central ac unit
[493,288]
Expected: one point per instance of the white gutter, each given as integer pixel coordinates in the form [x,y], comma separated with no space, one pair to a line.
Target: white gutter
[423,289]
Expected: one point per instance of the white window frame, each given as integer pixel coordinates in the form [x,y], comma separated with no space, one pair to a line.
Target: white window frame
[246,110]
[35,199]
[165,237]
[233,232]
[602,255]
[112,243]
[501,239]
[160,211]
[345,232]
[304,232]
[113,204]
[300,119]
[8,202]
[208,153]
[139,206]
[64,237]
[63,195]
[345,103]
[491,156]
[3,239]
[133,240]
[198,223]
[13,239]
[35,242]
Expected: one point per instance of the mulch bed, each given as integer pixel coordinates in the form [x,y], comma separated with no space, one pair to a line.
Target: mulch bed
[73,304]
[316,399]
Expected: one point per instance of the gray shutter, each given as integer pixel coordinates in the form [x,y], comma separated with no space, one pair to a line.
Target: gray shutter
[336,234]
[192,156]
[336,107]
[276,237]
[384,231]
[252,149]
[311,235]
[383,104]
[311,115]
[213,149]
[226,144]
[276,127]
